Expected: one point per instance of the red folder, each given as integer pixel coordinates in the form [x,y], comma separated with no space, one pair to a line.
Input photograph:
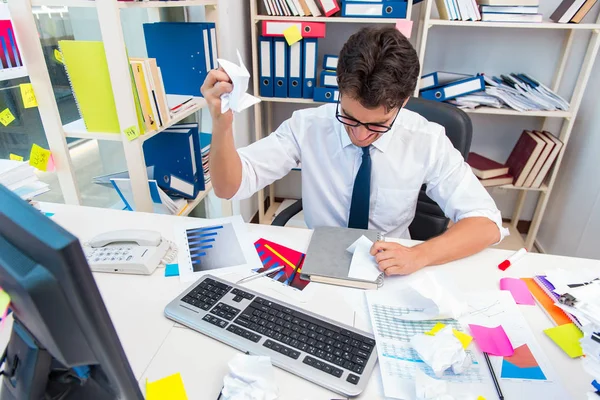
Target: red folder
[330,7]
[307,29]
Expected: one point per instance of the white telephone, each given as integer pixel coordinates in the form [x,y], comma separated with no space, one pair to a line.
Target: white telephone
[131,251]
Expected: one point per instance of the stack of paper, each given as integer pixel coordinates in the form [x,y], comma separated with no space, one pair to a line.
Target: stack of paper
[20,177]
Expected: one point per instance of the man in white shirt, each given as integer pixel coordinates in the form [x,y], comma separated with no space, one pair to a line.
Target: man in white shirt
[363,159]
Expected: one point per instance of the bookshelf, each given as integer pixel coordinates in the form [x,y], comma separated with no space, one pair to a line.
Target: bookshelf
[426,22]
[108,12]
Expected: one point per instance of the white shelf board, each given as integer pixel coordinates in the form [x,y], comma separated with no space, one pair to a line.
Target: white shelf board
[77,129]
[64,3]
[348,20]
[193,203]
[543,188]
[290,100]
[12,73]
[508,111]
[524,25]
[124,4]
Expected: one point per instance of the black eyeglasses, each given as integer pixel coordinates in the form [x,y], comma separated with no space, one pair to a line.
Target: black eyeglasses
[377,128]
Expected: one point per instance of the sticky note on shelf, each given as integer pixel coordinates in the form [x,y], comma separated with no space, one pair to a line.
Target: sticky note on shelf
[4,301]
[518,289]
[436,328]
[58,56]
[15,157]
[39,157]
[405,27]
[292,35]
[567,338]
[29,100]
[492,340]
[172,270]
[6,117]
[133,132]
[169,388]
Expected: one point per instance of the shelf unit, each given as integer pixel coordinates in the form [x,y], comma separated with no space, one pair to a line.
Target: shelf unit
[426,23]
[118,64]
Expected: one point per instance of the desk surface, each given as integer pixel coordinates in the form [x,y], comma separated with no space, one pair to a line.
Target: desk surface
[157,347]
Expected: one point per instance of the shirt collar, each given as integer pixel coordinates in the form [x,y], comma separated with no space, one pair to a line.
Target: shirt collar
[380,144]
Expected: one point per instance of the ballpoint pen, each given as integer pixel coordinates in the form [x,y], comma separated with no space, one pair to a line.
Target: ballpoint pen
[494,377]
[253,277]
[296,270]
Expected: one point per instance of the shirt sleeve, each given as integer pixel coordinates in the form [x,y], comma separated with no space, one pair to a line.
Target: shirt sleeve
[271,158]
[454,187]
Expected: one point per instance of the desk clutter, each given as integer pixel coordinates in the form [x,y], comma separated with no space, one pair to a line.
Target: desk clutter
[528,164]
[337,8]
[20,178]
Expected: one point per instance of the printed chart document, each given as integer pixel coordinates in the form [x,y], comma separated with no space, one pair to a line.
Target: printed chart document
[214,246]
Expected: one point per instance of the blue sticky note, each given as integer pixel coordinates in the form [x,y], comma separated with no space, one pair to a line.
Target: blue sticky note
[172,270]
[47,214]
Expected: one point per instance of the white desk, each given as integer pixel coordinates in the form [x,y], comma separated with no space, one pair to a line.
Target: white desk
[157,347]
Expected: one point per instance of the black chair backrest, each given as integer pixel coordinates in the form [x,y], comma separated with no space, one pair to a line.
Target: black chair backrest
[430,220]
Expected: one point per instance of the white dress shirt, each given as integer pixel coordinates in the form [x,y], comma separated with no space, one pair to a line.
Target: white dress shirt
[415,151]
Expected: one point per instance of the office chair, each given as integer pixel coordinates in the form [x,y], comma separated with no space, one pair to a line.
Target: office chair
[429,220]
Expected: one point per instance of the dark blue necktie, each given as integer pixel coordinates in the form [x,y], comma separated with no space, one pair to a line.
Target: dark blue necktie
[361,193]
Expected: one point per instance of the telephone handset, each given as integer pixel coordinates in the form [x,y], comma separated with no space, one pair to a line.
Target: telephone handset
[132,251]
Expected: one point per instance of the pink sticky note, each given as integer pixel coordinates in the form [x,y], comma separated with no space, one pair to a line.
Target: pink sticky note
[404,26]
[518,289]
[50,166]
[492,340]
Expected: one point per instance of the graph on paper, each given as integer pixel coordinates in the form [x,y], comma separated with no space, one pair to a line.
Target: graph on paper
[387,322]
[213,247]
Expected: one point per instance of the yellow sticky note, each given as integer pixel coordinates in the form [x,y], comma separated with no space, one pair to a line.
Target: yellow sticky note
[39,157]
[29,100]
[567,338]
[15,157]
[463,338]
[436,328]
[4,301]
[292,35]
[6,117]
[59,57]
[133,132]
[169,388]
[480,398]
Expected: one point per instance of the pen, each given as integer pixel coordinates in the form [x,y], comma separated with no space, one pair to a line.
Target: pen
[253,277]
[512,259]
[177,107]
[296,270]
[494,378]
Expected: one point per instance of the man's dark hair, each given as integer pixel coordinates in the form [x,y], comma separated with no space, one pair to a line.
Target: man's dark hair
[378,67]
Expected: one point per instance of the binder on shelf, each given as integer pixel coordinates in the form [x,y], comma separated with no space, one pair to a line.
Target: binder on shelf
[207,48]
[455,89]
[330,62]
[440,78]
[266,66]
[176,157]
[390,9]
[328,79]
[307,29]
[180,51]
[312,6]
[330,7]
[295,70]
[139,76]
[280,87]
[310,47]
[326,95]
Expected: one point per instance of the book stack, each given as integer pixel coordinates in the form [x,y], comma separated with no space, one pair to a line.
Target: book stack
[572,11]
[527,166]
[458,10]
[205,139]
[302,8]
[328,8]
[20,177]
[510,10]
[149,93]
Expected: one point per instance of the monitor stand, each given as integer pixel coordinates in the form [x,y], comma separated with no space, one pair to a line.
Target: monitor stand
[31,373]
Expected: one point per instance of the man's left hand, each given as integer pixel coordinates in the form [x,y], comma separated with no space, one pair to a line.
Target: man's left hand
[395,259]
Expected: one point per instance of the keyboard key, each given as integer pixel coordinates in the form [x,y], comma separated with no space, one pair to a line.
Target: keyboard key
[336,372]
[369,341]
[327,368]
[359,361]
[238,299]
[355,343]
[339,361]
[318,365]
[309,361]
[348,365]
[353,379]
[361,353]
[236,291]
[268,344]
[294,354]
[231,328]
[358,369]
[242,322]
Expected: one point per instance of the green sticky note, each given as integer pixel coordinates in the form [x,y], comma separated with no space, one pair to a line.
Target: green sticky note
[567,338]
[133,132]
[4,301]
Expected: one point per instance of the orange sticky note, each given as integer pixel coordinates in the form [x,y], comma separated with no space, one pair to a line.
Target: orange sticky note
[169,388]
[39,157]
[6,117]
[15,157]
[29,100]
[292,35]
[404,26]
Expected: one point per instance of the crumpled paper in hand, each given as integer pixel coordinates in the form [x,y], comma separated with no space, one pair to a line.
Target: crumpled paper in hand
[442,351]
[237,100]
[250,378]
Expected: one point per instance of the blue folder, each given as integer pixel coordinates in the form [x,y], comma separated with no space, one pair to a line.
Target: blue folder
[180,52]
[176,156]
[455,89]
[266,66]
[280,60]
[328,79]
[440,78]
[295,61]
[326,95]
[309,80]
[330,62]
[361,9]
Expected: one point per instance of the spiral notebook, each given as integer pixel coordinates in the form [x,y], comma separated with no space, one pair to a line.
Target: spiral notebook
[327,260]
[548,288]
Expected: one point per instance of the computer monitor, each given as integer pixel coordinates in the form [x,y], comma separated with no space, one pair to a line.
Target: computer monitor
[63,344]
